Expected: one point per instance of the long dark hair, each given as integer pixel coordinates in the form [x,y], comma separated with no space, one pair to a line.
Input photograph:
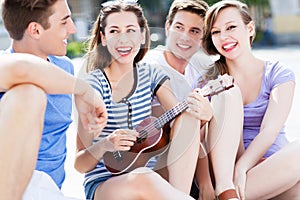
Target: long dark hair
[98,56]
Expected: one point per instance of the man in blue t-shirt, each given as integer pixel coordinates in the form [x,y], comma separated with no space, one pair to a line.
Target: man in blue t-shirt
[40,28]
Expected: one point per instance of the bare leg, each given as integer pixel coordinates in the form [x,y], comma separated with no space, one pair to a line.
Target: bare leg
[140,184]
[203,178]
[161,166]
[293,193]
[184,149]
[224,134]
[21,121]
[277,175]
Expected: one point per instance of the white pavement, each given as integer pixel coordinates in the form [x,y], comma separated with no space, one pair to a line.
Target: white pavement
[72,186]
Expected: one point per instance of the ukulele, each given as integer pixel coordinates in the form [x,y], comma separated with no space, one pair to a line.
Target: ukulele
[151,141]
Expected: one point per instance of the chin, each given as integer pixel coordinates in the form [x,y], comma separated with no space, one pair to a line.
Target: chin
[60,54]
[183,57]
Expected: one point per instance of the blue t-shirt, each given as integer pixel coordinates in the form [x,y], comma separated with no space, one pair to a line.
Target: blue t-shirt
[274,74]
[52,152]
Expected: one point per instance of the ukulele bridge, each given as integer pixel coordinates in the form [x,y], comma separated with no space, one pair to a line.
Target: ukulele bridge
[118,155]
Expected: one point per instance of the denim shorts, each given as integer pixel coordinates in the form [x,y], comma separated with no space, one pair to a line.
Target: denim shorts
[91,187]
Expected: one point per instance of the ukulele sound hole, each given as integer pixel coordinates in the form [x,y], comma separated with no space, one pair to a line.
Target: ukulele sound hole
[143,136]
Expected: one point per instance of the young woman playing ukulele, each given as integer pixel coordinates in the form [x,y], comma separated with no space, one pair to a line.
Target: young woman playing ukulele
[127,88]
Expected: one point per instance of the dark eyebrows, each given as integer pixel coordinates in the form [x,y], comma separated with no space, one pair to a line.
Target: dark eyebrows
[178,23]
[112,27]
[66,17]
[193,28]
[196,28]
[128,26]
[131,26]
[229,22]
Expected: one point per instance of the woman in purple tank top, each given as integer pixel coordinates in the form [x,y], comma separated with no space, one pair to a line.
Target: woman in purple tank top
[268,165]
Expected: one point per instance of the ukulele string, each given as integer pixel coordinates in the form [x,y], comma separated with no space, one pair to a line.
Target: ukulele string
[159,122]
[207,90]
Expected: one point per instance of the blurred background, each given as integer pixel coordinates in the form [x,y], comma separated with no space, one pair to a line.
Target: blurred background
[277,22]
[278,37]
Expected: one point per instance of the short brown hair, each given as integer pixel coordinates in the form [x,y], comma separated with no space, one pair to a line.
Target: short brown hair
[198,7]
[17,14]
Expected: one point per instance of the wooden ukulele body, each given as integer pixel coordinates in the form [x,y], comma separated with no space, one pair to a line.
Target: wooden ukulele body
[152,144]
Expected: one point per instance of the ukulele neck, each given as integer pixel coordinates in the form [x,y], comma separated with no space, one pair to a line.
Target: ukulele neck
[171,114]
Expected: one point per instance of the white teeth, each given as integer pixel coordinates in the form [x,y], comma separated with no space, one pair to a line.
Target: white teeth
[65,41]
[124,49]
[183,46]
[228,46]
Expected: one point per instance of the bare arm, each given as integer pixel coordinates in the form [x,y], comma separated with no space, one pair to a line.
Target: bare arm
[20,68]
[199,107]
[277,112]
[166,96]
[88,155]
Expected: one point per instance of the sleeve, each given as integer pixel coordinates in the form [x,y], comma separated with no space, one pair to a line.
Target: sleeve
[70,65]
[94,79]
[280,74]
[198,81]
[63,62]
[157,77]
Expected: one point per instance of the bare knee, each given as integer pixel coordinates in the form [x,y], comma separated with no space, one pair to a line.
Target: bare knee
[295,155]
[25,97]
[138,185]
[32,96]
[186,125]
[143,181]
[297,144]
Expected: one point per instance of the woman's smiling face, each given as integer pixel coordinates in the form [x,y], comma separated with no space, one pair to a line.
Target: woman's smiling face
[229,33]
[123,38]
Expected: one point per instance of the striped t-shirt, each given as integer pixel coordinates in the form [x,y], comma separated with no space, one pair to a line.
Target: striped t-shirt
[130,111]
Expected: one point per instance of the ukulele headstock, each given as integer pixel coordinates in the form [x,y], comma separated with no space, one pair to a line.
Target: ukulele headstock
[213,87]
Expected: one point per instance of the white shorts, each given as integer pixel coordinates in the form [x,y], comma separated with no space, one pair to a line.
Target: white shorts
[42,187]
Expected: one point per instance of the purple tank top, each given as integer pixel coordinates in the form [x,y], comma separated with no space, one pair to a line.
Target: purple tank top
[275,74]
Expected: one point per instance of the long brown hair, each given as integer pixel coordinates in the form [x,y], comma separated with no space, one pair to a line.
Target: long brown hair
[220,66]
[98,56]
